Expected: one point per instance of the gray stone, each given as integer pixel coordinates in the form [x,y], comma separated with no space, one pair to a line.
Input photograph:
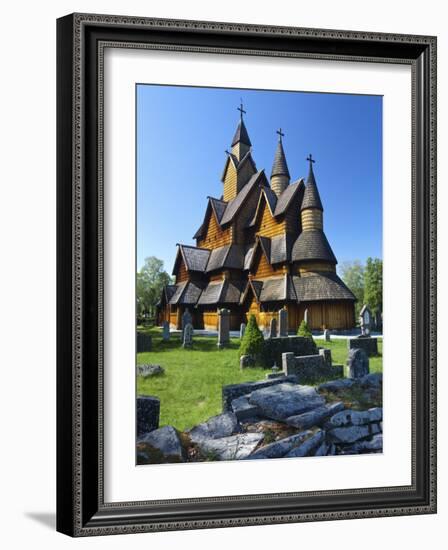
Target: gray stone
[348,434]
[272,328]
[242,329]
[243,409]
[336,386]
[372,445]
[149,370]
[326,354]
[315,417]
[223,327]
[144,342]
[327,335]
[323,449]
[187,341]
[309,446]
[358,363]
[247,361]
[306,315]
[187,319]
[283,322]
[148,412]
[232,391]
[280,448]
[331,450]
[275,347]
[284,400]
[374,380]
[167,441]
[357,418]
[215,427]
[365,320]
[310,369]
[369,345]
[234,447]
[165,331]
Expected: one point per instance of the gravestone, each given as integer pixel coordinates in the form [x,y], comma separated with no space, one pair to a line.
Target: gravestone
[272,328]
[187,319]
[365,320]
[148,412]
[305,315]
[283,322]
[327,335]
[358,363]
[144,342]
[166,331]
[223,327]
[242,329]
[188,336]
[366,343]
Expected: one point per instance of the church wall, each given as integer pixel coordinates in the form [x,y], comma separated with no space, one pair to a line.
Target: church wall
[310,268]
[263,268]
[332,314]
[215,236]
[182,273]
[230,182]
[268,226]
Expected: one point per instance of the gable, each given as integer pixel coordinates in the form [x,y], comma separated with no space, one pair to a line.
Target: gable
[213,235]
[265,223]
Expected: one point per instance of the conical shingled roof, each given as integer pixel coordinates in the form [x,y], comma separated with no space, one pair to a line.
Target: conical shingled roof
[241,135]
[311,197]
[312,245]
[280,166]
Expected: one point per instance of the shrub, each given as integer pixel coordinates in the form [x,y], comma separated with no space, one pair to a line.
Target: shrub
[304,330]
[252,342]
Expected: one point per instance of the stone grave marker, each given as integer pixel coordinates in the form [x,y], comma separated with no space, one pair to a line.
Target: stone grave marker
[327,335]
[272,328]
[283,322]
[223,327]
[166,331]
[358,363]
[365,320]
[188,336]
[305,315]
[242,329]
[144,342]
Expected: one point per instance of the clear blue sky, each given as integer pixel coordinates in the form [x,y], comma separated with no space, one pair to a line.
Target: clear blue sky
[182,133]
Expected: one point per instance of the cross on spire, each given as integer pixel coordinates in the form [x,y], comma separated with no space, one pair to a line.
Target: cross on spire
[310,159]
[241,109]
[280,134]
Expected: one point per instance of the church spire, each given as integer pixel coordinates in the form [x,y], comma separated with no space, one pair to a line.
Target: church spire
[311,197]
[241,143]
[312,209]
[280,174]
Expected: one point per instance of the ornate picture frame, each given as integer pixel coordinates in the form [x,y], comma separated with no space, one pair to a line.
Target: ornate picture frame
[81,507]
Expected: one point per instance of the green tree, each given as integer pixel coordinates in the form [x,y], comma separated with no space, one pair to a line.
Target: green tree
[150,281]
[373,284]
[252,342]
[304,330]
[352,273]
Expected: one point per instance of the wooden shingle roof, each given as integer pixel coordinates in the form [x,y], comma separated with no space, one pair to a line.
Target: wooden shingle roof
[235,204]
[241,134]
[321,286]
[280,166]
[312,245]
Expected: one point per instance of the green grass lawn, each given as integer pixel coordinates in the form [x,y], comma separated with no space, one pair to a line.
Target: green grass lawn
[190,389]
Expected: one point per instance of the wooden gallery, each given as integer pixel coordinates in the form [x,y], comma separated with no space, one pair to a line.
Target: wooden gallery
[261,247]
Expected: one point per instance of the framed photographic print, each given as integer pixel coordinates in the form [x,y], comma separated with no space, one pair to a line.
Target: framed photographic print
[246,274]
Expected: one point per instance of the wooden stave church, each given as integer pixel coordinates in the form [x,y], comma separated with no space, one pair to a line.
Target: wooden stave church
[260,247]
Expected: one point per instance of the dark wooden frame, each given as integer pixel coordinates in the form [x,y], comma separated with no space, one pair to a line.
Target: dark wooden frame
[81,510]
